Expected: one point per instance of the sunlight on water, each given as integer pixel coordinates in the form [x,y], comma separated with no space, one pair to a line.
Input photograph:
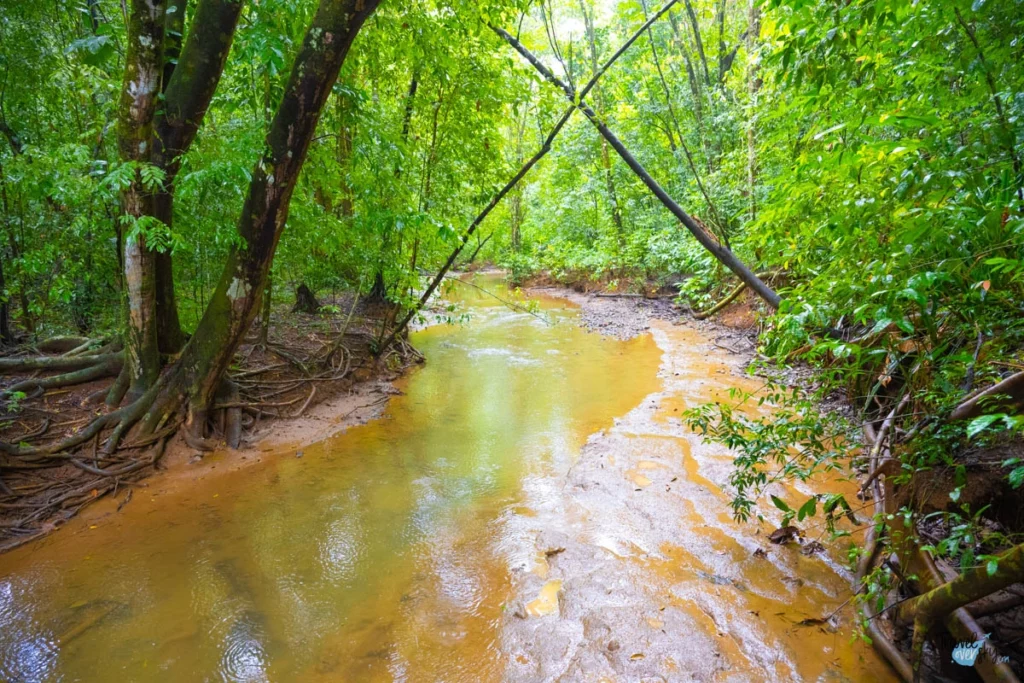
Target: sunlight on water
[377,556]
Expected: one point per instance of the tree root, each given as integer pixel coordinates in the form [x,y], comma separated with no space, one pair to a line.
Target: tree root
[8,365]
[1012,386]
[66,345]
[729,298]
[119,388]
[52,469]
[107,367]
[946,604]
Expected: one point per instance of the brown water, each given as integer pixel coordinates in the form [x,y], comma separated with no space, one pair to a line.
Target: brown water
[376,556]
[396,551]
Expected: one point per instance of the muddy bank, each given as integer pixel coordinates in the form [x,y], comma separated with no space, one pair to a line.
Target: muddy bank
[624,317]
[636,571]
[300,380]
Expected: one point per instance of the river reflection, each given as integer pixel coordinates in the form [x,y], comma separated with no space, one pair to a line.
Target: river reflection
[379,555]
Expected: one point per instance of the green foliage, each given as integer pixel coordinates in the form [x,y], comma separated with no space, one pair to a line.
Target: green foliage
[794,444]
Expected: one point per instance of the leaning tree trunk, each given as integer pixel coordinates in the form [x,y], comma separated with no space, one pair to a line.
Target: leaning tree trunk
[234,303]
[722,253]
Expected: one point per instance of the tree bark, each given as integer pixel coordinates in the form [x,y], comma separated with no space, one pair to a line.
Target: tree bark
[191,75]
[720,252]
[139,97]
[233,304]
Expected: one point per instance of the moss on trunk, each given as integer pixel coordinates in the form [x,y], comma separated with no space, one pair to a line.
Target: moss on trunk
[234,303]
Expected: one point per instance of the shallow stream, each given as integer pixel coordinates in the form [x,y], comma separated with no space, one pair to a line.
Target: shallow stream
[413,547]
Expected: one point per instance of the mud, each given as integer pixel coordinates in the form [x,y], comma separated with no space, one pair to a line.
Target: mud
[654,581]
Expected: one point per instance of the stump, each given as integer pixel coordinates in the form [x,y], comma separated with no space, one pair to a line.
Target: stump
[305,300]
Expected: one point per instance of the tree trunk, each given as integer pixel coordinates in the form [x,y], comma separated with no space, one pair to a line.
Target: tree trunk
[233,305]
[606,161]
[379,290]
[516,199]
[190,77]
[345,206]
[698,41]
[5,316]
[139,97]
[268,300]
[5,307]
[170,338]
[721,228]
[753,86]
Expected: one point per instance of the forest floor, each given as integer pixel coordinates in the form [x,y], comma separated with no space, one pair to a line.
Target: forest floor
[290,396]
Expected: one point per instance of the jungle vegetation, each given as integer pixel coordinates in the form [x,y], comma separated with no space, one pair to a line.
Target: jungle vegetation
[169,168]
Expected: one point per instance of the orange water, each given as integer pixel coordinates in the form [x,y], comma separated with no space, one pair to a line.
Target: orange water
[391,551]
[378,555]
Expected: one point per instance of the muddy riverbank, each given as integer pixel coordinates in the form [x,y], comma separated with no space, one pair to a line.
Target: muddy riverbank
[638,572]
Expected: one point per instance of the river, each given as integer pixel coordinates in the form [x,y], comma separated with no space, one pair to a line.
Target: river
[529,508]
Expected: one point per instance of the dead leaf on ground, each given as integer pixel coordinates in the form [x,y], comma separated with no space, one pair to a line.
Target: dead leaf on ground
[784,535]
[811,548]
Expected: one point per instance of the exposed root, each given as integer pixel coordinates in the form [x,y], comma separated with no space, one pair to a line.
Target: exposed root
[941,602]
[107,367]
[1012,386]
[729,298]
[119,388]
[58,455]
[65,345]
[64,363]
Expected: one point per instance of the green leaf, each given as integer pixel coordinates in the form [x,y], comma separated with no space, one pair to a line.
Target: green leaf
[1016,477]
[880,325]
[980,423]
[808,509]
[781,504]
